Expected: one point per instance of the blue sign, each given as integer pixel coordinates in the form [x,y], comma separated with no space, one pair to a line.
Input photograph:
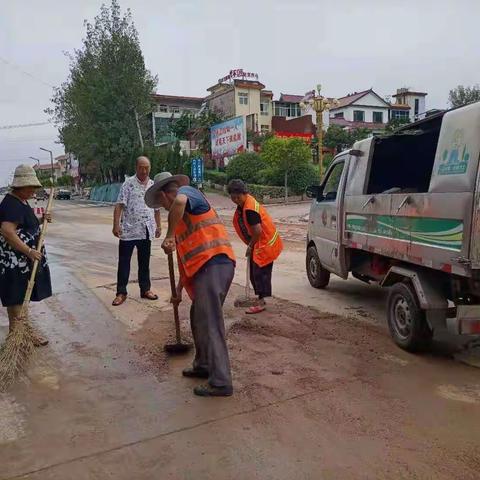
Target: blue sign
[197,170]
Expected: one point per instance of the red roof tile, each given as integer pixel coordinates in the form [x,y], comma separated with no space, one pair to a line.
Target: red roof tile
[285,97]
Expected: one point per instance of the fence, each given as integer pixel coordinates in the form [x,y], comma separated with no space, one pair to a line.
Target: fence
[105,193]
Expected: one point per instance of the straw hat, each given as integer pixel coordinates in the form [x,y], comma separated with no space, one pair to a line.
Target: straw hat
[160,180]
[25,176]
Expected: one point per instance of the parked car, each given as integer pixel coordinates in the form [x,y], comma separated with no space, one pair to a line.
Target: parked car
[64,195]
[41,194]
[402,211]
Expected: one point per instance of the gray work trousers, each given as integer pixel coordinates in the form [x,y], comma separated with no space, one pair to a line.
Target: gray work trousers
[211,286]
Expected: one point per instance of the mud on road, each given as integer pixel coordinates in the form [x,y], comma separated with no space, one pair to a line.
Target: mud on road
[368,409]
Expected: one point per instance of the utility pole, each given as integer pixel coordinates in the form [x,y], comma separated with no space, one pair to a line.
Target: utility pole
[51,162]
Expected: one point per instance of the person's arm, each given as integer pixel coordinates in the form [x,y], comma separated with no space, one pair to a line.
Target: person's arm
[9,231]
[117,215]
[175,214]
[158,223]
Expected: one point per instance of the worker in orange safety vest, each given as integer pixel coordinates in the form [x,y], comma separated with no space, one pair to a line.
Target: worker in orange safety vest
[207,264]
[256,229]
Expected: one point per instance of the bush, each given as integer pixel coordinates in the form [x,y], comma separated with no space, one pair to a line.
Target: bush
[262,191]
[298,179]
[245,166]
[214,176]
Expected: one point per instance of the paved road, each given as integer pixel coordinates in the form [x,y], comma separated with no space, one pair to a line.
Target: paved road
[321,392]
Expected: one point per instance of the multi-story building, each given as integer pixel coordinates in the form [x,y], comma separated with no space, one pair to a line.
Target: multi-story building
[409,105]
[361,110]
[169,108]
[288,106]
[235,97]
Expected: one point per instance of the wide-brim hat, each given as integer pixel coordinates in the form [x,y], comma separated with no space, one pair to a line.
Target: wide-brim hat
[25,176]
[159,181]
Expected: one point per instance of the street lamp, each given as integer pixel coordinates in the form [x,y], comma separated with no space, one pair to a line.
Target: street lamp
[36,159]
[51,161]
[319,104]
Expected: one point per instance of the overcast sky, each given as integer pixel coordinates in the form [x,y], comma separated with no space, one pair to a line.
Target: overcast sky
[346,45]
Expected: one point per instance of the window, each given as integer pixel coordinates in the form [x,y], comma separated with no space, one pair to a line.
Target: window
[243,98]
[264,108]
[287,110]
[377,117]
[400,115]
[339,115]
[358,116]
[264,128]
[417,106]
[332,183]
[174,109]
[162,108]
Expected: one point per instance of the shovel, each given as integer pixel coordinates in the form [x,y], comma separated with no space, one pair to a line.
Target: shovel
[177,347]
[245,301]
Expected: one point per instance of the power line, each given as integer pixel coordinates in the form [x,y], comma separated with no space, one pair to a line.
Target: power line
[23,125]
[28,74]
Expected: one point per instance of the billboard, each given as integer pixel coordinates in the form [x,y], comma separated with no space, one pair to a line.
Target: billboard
[228,138]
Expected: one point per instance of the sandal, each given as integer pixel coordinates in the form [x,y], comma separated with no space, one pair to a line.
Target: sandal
[149,295]
[119,299]
[256,309]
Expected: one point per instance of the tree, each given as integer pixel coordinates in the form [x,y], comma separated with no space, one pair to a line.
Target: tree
[245,166]
[203,124]
[288,158]
[395,123]
[339,138]
[461,95]
[180,127]
[108,86]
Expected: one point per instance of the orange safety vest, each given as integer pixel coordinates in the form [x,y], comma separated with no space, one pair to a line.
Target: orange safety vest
[270,245]
[198,239]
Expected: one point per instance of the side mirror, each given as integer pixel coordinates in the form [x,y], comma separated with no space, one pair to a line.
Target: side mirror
[313,191]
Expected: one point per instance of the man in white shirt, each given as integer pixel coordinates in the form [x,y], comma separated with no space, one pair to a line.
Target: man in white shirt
[135,225]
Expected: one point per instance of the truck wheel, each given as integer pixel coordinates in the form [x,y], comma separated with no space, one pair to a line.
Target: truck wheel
[406,320]
[317,275]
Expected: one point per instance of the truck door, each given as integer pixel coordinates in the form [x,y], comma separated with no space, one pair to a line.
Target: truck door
[327,221]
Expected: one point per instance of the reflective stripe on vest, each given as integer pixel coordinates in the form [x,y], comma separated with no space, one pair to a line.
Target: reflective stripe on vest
[203,248]
[191,228]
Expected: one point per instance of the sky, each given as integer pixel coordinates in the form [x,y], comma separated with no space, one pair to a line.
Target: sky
[293,45]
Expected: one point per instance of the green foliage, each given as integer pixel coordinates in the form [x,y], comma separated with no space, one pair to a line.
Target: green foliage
[107,85]
[461,95]
[327,160]
[202,126]
[287,160]
[65,181]
[180,127]
[214,176]
[342,139]
[395,123]
[262,191]
[245,166]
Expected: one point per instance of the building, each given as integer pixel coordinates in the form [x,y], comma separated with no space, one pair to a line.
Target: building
[169,108]
[44,170]
[364,109]
[241,94]
[288,106]
[409,105]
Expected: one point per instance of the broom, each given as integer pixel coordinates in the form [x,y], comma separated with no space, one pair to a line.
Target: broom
[19,346]
[246,300]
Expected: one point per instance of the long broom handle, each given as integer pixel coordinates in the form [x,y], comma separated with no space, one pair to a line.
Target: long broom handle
[247,280]
[40,243]
[173,288]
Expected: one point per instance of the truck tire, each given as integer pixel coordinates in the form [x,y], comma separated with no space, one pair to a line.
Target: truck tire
[317,275]
[406,320]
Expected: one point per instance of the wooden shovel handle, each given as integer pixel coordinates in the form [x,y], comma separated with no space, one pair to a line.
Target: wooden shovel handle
[173,288]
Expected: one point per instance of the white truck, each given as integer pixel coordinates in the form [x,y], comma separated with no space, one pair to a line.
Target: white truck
[403,211]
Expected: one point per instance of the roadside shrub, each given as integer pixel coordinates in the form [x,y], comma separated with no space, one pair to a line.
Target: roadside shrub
[214,176]
[298,179]
[262,191]
[245,166]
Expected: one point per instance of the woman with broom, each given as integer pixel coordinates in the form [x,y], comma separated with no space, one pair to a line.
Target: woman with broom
[19,234]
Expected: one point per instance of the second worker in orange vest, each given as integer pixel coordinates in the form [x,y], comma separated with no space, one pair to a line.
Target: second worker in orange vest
[207,264]
[256,229]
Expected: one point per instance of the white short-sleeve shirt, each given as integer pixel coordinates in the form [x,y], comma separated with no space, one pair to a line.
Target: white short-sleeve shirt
[137,218]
